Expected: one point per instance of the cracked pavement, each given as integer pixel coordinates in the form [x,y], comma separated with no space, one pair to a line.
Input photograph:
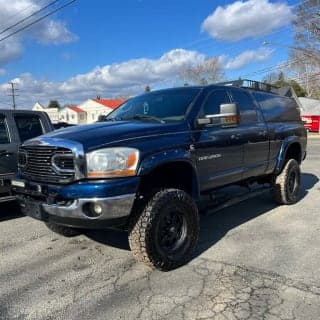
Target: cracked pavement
[254,261]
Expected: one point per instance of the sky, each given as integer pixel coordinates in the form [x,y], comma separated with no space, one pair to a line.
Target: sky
[115,48]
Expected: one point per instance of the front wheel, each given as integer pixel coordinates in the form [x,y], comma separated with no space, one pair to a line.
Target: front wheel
[286,186]
[165,233]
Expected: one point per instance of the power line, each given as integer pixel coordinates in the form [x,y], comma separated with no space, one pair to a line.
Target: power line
[13,94]
[29,16]
[37,20]
[273,67]
[21,11]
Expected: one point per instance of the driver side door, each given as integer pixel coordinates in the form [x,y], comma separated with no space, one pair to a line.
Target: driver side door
[218,151]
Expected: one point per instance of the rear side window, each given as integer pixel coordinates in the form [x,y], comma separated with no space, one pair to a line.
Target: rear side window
[29,126]
[248,112]
[276,108]
[4,133]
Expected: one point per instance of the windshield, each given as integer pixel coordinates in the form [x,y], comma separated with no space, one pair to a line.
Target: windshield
[161,106]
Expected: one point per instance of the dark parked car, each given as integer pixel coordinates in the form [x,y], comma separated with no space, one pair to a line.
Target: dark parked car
[17,126]
[145,168]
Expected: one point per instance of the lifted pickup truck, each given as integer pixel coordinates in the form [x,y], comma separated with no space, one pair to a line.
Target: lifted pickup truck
[146,166]
[16,126]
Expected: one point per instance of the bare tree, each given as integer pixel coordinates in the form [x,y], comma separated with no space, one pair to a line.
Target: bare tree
[271,77]
[202,73]
[305,53]
[282,80]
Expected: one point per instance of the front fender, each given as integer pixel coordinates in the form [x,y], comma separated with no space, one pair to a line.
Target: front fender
[157,160]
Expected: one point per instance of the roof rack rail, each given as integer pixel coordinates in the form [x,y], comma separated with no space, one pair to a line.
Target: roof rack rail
[264,87]
[251,84]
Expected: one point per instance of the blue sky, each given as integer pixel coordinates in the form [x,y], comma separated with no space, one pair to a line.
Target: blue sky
[109,47]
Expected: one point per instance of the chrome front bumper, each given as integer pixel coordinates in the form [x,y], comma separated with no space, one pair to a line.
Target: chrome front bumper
[115,211]
[111,208]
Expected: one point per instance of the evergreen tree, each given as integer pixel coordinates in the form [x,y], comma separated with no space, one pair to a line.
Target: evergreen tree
[54,104]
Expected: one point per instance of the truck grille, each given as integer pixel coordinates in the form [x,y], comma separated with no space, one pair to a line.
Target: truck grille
[46,163]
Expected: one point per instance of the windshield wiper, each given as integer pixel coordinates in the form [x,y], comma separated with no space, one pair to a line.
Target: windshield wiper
[144,117]
[112,119]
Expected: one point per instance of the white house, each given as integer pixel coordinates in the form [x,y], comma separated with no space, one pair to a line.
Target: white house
[96,107]
[73,115]
[86,112]
[53,113]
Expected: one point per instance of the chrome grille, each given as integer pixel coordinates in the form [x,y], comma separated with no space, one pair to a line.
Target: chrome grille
[46,163]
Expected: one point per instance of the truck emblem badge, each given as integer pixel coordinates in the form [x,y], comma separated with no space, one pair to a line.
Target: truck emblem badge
[212,156]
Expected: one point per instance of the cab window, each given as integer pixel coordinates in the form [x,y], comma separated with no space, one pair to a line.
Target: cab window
[29,126]
[213,102]
[248,112]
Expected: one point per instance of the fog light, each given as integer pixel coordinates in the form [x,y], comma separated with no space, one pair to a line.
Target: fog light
[97,208]
[92,210]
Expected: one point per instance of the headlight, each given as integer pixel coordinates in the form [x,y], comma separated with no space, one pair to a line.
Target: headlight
[112,162]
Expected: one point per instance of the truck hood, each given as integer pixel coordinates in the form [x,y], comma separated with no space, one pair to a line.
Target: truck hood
[97,135]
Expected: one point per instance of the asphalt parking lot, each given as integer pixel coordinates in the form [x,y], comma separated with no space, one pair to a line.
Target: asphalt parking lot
[254,261]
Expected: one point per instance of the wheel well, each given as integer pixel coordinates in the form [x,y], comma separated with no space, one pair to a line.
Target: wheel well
[294,152]
[178,175]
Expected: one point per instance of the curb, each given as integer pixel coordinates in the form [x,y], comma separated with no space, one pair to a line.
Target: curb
[314,136]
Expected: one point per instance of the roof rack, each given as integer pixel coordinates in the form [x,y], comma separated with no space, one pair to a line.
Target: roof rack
[264,87]
[252,84]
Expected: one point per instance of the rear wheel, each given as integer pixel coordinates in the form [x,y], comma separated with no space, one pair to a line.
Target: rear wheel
[286,185]
[62,230]
[165,232]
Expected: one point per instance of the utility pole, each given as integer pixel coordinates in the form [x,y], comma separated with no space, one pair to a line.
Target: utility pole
[13,94]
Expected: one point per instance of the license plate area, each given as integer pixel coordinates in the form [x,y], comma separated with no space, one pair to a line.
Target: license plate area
[18,183]
[31,188]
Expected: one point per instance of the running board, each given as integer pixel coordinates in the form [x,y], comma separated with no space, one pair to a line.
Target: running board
[235,200]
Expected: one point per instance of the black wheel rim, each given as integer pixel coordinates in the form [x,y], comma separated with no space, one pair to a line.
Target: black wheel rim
[292,182]
[172,232]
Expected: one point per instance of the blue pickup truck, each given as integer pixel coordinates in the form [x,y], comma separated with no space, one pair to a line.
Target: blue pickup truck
[145,167]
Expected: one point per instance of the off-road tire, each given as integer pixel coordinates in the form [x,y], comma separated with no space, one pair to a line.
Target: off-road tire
[286,185]
[62,230]
[145,229]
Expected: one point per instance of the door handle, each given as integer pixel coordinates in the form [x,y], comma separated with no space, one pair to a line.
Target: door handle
[235,136]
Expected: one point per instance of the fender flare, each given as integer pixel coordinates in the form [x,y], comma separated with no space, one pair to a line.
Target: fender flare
[155,161]
[283,151]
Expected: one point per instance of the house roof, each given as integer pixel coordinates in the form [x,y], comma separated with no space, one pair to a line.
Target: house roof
[310,106]
[76,109]
[110,103]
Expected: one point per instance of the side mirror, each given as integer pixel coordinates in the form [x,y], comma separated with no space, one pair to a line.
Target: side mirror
[229,114]
[228,117]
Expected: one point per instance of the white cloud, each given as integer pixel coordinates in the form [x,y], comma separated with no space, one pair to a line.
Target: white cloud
[134,72]
[247,57]
[55,32]
[126,78]
[2,72]
[244,19]
[10,49]
[48,31]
